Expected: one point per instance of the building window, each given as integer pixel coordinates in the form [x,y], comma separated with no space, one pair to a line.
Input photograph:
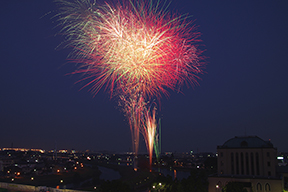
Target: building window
[252,164]
[259,187]
[221,154]
[267,187]
[232,163]
[242,163]
[237,164]
[269,173]
[268,163]
[257,164]
[247,164]
[268,154]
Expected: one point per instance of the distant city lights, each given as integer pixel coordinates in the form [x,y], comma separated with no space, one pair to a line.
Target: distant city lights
[22,149]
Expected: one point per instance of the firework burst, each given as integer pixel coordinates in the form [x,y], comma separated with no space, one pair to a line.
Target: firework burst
[131,45]
[136,50]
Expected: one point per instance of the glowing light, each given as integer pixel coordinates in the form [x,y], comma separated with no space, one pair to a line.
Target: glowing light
[175,174]
[149,131]
[131,46]
[157,141]
[136,50]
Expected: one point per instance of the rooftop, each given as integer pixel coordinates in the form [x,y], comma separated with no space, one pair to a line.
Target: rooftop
[246,142]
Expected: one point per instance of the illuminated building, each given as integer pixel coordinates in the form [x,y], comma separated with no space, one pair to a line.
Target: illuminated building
[249,161]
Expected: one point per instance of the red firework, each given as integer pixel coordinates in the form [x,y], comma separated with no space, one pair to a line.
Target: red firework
[133,47]
[136,50]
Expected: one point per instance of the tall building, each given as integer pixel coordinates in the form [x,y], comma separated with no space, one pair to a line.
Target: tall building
[250,161]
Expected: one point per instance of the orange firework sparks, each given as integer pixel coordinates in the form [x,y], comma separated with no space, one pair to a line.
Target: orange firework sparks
[149,131]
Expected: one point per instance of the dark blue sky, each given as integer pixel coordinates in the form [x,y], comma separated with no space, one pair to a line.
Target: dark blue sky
[244,89]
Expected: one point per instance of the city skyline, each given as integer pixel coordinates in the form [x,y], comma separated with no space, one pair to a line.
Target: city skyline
[242,92]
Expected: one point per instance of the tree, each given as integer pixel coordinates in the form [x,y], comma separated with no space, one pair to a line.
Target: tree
[234,187]
[115,186]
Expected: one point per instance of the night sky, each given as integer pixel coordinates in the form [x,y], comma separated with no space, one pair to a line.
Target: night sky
[244,90]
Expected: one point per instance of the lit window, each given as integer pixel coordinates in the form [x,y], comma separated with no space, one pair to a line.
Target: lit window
[259,187]
[267,187]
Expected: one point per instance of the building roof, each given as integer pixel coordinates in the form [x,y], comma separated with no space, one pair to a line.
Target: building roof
[246,142]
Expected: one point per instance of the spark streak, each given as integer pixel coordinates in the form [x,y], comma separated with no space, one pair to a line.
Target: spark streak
[136,50]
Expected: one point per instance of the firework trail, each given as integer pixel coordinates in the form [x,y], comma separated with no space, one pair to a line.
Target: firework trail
[157,142]
[142,119]
[149,131]
[136,50]
[133,107]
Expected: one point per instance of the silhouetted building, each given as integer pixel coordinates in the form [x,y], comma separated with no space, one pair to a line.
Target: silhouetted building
[250,161]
